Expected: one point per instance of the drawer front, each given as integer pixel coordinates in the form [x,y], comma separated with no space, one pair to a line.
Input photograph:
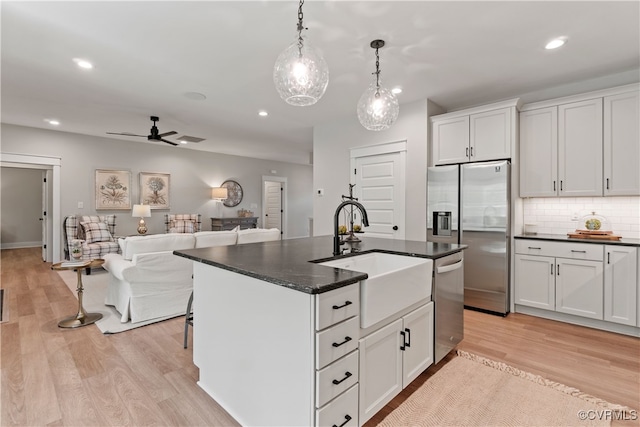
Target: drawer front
[336,378]
[342,412]
[338,305]
[586,251]
[337,341]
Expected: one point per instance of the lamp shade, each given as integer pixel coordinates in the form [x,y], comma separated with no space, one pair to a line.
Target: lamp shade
[141,211]
[219,193]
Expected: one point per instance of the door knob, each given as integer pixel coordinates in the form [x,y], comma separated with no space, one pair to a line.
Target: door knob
[395,228]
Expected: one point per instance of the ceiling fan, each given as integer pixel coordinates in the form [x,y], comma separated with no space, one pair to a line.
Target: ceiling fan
[153,136]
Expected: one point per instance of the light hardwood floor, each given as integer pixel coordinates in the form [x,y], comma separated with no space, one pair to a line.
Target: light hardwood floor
[80,377]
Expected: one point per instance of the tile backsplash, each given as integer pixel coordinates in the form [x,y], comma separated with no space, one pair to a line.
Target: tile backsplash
[560,215]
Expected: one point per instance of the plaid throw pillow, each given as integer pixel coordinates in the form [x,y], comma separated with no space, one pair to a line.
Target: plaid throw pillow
[96,232]
[181,227]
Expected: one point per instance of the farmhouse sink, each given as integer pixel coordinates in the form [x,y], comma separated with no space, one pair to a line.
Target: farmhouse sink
[394,283]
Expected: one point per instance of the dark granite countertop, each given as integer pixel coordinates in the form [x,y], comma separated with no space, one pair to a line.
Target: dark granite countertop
[565,238]
[293,263]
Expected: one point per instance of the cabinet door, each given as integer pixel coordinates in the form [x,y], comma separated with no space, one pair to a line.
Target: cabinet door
[450,140]
[535,281]
[418,352]
[622,144]
[620,284]
[490,135]
[579,287]
[580,148]
[539,153]
[380,369]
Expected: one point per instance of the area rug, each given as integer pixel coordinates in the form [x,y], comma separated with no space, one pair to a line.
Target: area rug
[95,291]
[474,391]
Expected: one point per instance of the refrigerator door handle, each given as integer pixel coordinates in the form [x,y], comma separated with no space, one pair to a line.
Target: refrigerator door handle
[448,268]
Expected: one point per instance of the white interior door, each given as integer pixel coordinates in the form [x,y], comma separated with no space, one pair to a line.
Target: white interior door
[273,204]
[380,187]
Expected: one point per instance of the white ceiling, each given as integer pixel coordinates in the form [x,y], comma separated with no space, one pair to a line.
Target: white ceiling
[148,55]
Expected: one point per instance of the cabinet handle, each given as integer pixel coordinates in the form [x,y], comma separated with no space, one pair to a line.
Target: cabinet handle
[607,183]
[579,252]
[608,257]
[404,341]
[346,340]
[408,331]
[533,247]
[471,151]
[466,152]
[561,185]
[552,269]
[346,303]
[347,418]
[346,375]
[558,270]
[554,186]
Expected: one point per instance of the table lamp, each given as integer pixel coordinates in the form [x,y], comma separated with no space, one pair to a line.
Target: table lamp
[219,194]
[141,211]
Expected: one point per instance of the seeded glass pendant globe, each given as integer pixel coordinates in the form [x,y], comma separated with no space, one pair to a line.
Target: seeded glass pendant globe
[300,74]
[378,108]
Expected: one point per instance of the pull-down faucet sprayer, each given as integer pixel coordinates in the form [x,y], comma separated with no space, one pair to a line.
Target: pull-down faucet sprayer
[336,235]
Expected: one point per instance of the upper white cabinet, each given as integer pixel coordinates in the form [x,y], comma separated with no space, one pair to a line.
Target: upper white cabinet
[585,145]
[472,135]
[621,144]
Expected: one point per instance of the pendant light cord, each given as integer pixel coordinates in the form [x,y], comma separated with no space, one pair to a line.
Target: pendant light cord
[377,73]
[300,27]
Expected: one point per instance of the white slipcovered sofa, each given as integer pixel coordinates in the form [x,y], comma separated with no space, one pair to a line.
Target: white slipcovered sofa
[146,281]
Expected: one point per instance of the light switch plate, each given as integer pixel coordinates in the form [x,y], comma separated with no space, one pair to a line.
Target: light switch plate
[80,205]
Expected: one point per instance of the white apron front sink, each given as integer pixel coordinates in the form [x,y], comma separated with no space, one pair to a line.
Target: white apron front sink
[395,282]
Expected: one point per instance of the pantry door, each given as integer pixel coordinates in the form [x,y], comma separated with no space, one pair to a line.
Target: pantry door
[378,173]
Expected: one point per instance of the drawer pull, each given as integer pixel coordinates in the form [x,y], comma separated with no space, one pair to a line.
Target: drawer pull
[346,303]
[608,257]
[579,252]
[347,418]
[346,375]
[346,340]
[533,247]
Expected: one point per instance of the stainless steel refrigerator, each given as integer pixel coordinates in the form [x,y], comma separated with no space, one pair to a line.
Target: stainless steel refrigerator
[469,204]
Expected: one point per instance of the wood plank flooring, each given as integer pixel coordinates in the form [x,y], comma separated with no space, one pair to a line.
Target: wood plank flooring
[80,377]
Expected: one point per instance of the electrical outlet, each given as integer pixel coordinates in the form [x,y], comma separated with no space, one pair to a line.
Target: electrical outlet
[80,205]
[575,216]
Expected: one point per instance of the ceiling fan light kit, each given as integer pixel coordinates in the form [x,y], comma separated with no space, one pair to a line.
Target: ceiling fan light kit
[378,107]
[300,73]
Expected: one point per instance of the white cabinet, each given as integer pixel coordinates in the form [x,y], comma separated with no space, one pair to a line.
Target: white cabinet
[622,144]
[478,134]
[621,284]
[585,145]
[392,357]
[558,276]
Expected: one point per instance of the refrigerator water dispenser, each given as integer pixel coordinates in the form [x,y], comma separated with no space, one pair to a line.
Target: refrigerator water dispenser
[441,223]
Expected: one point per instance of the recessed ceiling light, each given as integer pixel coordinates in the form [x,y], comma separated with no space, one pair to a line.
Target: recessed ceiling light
[183,141]
[196,96]
[263,113]
[53,122]
[556,43]
[83,63]
[396,90]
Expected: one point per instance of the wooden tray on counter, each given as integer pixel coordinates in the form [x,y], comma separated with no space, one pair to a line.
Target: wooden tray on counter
[594,234]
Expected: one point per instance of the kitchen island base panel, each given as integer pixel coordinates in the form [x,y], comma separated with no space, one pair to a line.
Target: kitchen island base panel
[254,347]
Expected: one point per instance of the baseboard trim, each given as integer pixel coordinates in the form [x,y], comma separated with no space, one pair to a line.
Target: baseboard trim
[20,245]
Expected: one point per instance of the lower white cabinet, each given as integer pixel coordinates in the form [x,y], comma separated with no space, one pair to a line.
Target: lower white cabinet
[535,281]
[392,357]
[621,285]
[579,287]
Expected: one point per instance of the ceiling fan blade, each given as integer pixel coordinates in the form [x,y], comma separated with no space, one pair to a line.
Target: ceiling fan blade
[125,134]
[168,142]
[162,135]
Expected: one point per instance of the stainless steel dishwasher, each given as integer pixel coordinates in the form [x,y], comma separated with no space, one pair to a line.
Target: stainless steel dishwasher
[448,291]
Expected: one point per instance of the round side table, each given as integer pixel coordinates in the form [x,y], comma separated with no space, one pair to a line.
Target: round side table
[82,318]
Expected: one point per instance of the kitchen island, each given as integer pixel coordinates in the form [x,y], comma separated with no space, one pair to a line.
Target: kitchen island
[277,336]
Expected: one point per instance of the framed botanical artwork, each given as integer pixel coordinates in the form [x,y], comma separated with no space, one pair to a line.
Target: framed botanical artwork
[113,189]
[154,190]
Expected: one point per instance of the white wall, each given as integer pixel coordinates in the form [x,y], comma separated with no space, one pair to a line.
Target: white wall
[193,173]
[21,201]
[331,157]
[554,215]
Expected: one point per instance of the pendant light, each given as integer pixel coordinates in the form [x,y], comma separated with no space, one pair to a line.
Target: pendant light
[378,107]
[300,74]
